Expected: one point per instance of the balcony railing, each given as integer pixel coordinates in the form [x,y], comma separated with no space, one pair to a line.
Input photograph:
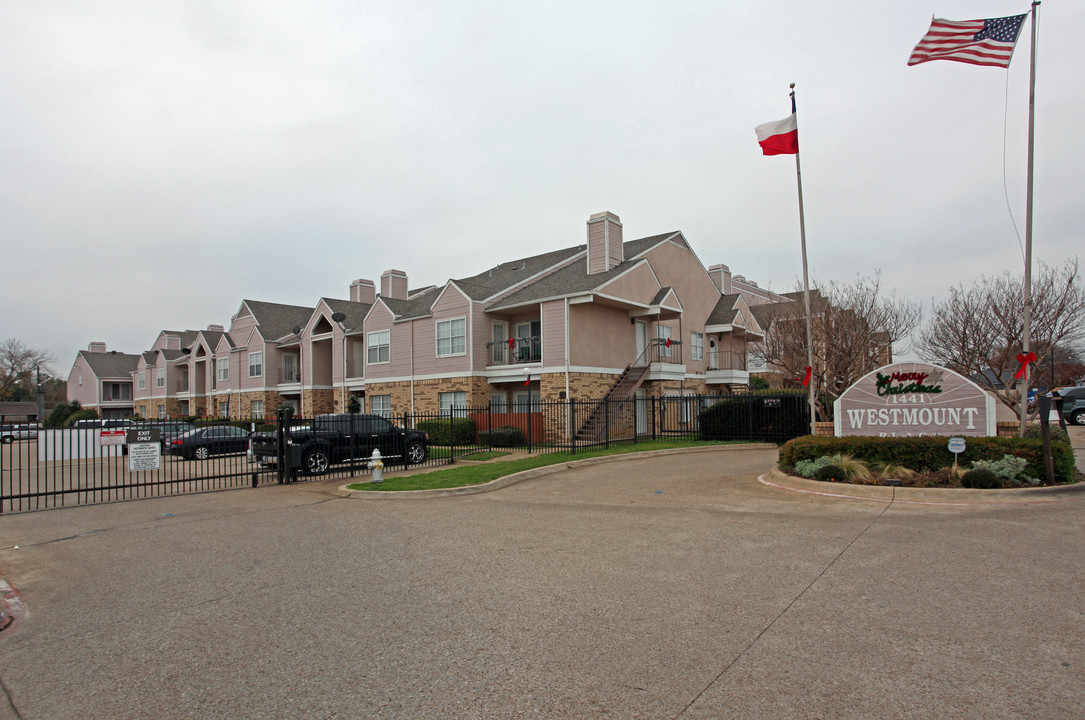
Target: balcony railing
[181,385]
[660,350]
[727,360]
[516,351]
[289,375]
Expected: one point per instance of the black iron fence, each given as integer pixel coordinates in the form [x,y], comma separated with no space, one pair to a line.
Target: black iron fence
[58,467]
[79,466]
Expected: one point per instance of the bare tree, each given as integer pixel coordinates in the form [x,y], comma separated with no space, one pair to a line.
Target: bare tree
[18,362]
[855,327]
[977,332]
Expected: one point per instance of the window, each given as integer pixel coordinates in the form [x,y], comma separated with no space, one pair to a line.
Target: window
[696,342]
[256,364]
[664,335]
[500,344]
[142,380]
[380,405]
[257,410]
[498,403]
[451,337]
[222,366]
[452,403]
[161,412]
[378,347]
[160,377]
[224,408]
[525,402]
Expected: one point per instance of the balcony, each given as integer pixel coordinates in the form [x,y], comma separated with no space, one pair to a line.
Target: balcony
[180,386]
[728,367]
[515,351]
[288,376]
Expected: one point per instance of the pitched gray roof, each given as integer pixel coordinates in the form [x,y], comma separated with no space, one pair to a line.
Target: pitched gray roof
[418,306]
[110,364]
[725,312]
[355,311]
[276,320]
[186,337]
[574,278]
[501,277]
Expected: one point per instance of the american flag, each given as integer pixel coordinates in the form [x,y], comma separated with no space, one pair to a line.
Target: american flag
[977,42]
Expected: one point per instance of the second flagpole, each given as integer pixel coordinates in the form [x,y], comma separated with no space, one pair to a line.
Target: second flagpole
[805,286]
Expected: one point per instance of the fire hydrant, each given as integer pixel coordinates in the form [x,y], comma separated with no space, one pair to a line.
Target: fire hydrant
[376,466]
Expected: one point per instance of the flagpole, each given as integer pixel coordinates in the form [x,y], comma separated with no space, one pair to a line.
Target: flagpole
[1028,222]
[805,285]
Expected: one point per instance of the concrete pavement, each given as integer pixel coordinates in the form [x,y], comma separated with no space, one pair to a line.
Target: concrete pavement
[668,587]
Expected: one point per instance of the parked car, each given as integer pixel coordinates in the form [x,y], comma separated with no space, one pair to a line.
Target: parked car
[110,424]
[338,438]
[167,430]
[202,443]
[1073,403]
[23,431]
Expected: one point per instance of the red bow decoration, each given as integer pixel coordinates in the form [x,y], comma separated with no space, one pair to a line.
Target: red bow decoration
[511,341]
[806,380]
[527,382]
[668,342]
[1024,359]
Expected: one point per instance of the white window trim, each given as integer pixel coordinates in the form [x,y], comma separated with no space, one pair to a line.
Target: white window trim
[370,346]
[259,366]
[378,409]
[450,338]
[222,369]
[696,349]
[142,380]
[455,408]
[160,377]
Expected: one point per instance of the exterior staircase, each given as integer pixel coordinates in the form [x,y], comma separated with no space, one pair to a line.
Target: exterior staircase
[595,426]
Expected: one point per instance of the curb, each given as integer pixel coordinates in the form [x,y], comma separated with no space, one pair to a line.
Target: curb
[508,480]
[957,497]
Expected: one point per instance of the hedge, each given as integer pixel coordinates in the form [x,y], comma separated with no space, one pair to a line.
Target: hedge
[505,436]
[779,413]
[932,453]
[449,431]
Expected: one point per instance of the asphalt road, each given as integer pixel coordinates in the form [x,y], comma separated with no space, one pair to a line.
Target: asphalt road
[669,587]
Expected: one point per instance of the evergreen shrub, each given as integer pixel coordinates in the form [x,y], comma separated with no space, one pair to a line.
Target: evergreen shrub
[505,436]
[449,431]
[981,478]
[831,473]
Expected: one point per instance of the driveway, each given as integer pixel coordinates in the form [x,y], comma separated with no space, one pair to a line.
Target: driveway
[669,587]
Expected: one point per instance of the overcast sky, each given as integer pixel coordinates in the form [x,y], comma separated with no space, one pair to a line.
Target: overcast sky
[160,162]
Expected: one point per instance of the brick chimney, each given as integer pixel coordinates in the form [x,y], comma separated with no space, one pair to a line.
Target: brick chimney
[96,347]
[721,275]
[363,291]
[605,250]
[394,284]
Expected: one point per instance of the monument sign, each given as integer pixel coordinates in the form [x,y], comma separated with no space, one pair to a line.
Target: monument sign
[911,399]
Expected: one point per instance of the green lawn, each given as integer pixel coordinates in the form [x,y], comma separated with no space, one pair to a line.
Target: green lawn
[466,475]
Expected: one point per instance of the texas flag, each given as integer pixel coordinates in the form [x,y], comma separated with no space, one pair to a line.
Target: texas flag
[780,137]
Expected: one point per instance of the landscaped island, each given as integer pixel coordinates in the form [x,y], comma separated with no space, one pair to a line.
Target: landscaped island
[987,462]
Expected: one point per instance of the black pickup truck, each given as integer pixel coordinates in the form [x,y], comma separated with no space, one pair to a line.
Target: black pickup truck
[333,439]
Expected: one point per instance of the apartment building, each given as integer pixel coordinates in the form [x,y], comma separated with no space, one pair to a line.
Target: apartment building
[603,318]
[101,380]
